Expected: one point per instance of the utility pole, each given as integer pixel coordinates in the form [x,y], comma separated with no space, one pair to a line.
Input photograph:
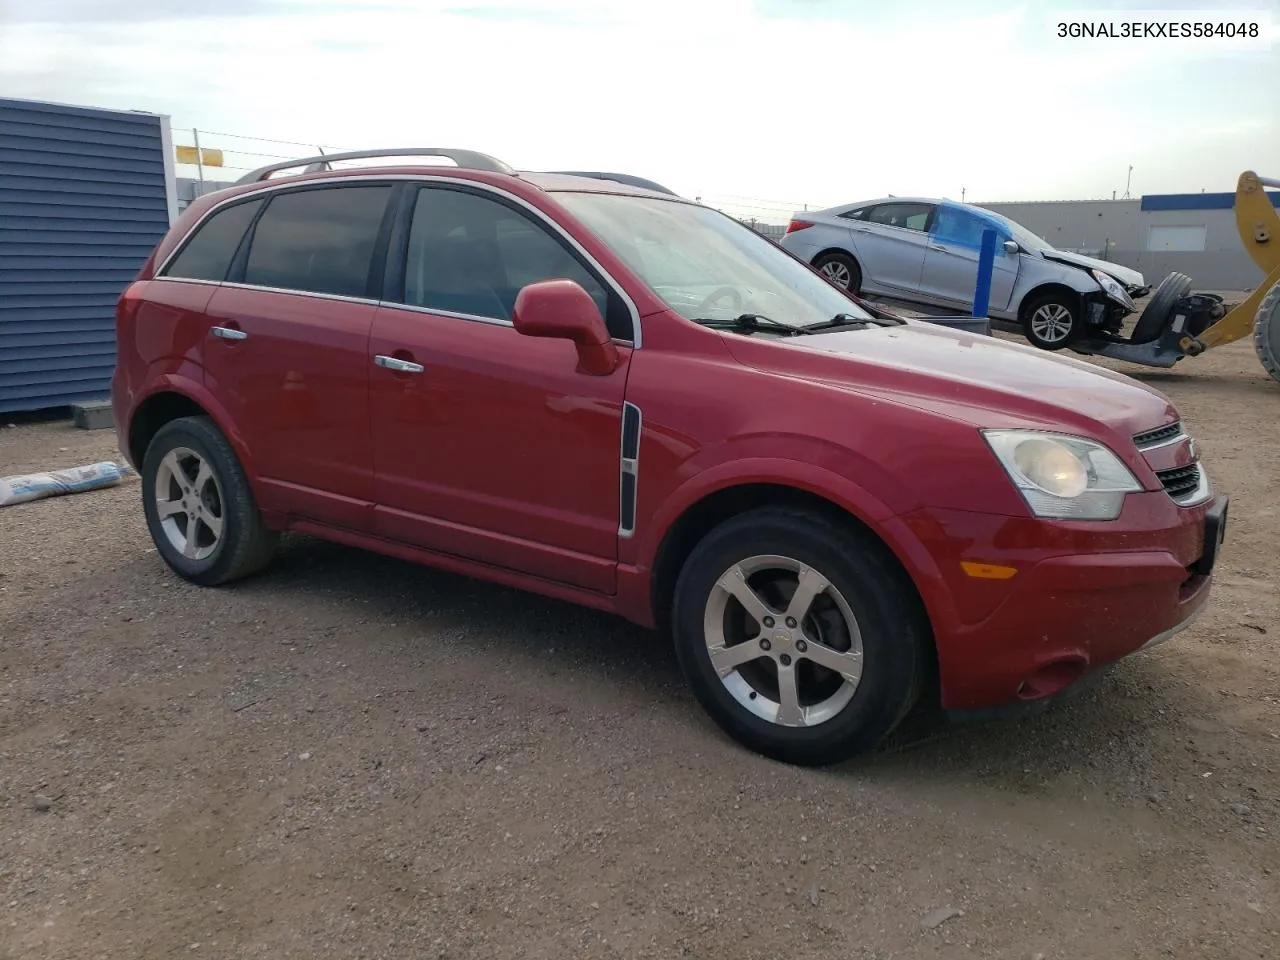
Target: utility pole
[962,194]
[1128,180]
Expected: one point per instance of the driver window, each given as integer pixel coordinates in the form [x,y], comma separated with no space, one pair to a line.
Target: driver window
[471,255]
[959,227]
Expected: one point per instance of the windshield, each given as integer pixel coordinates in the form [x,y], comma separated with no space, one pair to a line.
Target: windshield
[1021,235]
[706,265]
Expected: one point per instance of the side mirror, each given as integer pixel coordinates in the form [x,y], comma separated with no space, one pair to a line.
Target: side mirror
[1010,247]
[563,310]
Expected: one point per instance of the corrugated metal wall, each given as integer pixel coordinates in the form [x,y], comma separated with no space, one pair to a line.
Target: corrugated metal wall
[85,194]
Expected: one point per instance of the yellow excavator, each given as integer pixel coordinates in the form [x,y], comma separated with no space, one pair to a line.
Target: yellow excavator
[1259,226]
[1177,323]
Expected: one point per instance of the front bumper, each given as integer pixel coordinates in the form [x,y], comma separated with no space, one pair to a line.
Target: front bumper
[1084,596]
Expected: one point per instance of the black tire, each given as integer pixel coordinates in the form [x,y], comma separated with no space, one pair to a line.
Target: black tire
[1159,309]
[1054,301]
[245,545]
[1266,332]
[894,632]
[850,266]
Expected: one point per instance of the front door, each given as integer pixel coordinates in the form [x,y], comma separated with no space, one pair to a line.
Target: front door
[488,444]
[950,275]
[288,345]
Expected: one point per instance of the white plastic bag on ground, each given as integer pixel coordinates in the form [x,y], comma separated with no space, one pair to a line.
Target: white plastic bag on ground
[34,486]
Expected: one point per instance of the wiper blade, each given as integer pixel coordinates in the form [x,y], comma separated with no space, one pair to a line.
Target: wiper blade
[849,320]
[752,321]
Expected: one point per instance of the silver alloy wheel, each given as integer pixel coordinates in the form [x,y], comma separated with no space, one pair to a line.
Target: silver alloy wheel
[189,503]
[1051,322]
[838,272]
[783,641]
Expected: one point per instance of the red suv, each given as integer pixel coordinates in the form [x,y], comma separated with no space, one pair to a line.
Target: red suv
[627,400]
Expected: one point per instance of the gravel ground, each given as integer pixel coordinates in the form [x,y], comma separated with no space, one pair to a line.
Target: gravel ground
[355,757]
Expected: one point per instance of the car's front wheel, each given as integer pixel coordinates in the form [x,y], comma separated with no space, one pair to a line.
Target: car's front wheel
[199,507]
[1053,321]
[799,637]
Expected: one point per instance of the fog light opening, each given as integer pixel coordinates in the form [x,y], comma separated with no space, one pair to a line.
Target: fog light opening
[1052,678]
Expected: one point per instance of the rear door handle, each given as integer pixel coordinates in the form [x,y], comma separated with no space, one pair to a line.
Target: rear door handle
[395,363]
[227,333]
[934,246]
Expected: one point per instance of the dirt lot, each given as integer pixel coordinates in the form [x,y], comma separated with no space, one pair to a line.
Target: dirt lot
[355,757]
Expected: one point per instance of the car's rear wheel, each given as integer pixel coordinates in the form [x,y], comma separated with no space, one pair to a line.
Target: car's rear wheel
[841,269]
[1053,321]
[799,637]
[200,510]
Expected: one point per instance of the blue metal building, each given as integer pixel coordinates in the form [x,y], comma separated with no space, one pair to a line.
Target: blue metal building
[85,194]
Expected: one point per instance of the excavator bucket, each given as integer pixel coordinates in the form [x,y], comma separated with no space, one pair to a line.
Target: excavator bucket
[1259,313]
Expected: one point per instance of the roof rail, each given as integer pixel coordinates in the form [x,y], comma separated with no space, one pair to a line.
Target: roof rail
[467,159]
[628,179]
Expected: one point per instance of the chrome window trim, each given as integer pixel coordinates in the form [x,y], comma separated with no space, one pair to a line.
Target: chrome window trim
[388,304]
[291,185]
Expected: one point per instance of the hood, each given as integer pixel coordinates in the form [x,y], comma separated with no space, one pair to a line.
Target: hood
[981,380]
[1130,278]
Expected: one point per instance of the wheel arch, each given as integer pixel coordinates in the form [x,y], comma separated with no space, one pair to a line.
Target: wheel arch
[903,553]
[842,251]
[1041,290]
[174,397]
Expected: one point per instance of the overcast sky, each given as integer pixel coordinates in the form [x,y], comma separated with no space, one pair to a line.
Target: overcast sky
[815,101]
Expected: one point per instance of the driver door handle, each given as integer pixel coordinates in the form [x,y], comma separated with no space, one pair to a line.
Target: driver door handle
[400,366]
[227,333]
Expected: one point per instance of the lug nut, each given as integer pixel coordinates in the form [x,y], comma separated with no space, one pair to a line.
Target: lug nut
[768,621]
[791,622]
[765,644]
[786,660]
[801,646]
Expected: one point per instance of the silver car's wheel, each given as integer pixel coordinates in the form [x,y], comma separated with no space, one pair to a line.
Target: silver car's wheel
[1052,322]
[783,641]
[841,270]
[189,503]
[837,272]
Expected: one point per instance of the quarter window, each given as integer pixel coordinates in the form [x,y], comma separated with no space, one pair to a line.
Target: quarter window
[471,255]
[318,241]
[209,252]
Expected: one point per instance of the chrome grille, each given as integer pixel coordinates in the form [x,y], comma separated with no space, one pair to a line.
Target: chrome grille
[1160,435]
[1181,483]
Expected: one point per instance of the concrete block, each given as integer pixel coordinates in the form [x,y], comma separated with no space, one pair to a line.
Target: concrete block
[93,416]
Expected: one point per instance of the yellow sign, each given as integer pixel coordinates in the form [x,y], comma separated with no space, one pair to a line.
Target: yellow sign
[207,157]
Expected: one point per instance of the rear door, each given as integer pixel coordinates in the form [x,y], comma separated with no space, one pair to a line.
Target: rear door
[287,350]
[489,444]
[950,275]
[890,239]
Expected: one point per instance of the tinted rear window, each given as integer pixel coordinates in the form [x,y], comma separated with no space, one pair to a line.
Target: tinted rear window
[318,241]
[208,254]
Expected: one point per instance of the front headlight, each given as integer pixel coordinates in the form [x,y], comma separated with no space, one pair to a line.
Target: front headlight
[1112,288]
[1063,477]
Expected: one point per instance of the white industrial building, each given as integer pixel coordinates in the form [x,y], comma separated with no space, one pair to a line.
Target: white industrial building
[1193,233]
